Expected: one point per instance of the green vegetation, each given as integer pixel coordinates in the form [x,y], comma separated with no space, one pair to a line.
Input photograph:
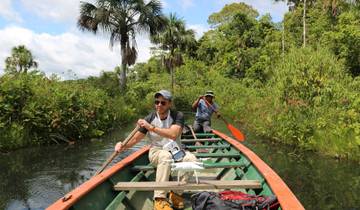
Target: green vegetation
[36,110]
[263,77]
[21,60]
[268,82]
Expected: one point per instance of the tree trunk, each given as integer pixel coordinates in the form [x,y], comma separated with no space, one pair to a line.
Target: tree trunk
[283,40]
[172,79]
[172,61]
[122,76]
[304,25]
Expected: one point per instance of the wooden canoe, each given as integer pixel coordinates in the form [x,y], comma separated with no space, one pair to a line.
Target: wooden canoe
[229,165]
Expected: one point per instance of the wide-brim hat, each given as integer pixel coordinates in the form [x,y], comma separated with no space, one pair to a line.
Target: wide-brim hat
[209,93]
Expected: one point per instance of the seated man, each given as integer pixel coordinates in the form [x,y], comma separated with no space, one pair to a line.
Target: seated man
[205,107]
[162,126]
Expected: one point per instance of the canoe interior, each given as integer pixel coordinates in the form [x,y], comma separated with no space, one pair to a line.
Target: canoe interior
[219,151]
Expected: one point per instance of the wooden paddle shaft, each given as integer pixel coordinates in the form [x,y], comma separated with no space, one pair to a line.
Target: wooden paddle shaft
[192,132]
[114,154]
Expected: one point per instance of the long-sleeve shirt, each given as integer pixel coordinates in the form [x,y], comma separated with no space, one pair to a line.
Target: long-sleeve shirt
[204,112]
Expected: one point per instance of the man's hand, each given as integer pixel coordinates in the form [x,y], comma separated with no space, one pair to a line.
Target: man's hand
[143,123]
[201,97]
[119,147]
[218,115]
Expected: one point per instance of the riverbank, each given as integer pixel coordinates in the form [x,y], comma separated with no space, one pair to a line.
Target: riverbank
[37,110]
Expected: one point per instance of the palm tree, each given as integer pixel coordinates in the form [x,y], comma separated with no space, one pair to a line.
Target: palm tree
[20,61]
[123,19]
[175,39]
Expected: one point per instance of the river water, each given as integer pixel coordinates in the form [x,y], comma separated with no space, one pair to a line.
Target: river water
[33,178]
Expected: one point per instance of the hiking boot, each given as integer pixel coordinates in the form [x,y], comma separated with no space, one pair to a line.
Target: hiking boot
[176,200]
[162,204]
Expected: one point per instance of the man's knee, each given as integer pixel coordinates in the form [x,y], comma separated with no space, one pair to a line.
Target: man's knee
[207,129]
[197,127]
[189,157]
[207,126]
[165,157]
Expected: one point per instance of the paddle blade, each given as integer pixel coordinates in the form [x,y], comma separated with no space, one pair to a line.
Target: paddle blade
[236,133]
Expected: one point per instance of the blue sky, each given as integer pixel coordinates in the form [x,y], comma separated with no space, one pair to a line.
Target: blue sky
[48,29]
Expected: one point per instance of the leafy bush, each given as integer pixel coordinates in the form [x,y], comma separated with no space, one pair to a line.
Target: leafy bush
[36,110]
[310,101]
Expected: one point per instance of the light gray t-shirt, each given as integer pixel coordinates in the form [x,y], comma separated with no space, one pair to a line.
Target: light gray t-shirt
[173,118]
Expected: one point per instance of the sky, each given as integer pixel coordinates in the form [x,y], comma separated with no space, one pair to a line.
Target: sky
[48,29]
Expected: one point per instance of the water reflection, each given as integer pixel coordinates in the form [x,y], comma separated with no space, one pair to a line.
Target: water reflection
[34,178]
[317,181]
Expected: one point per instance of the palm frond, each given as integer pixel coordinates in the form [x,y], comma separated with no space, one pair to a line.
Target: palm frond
[151,18]
[87,20]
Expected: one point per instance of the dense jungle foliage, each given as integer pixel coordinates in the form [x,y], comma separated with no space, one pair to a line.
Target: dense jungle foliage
[37,110]
[263,76]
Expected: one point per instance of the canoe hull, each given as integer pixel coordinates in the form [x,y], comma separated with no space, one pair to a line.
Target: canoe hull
[98,192]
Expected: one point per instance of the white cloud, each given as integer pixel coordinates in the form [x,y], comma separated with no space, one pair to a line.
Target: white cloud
[276,9]
[185,4]
[199,29]
[84,54]
[7,11]
[64,10]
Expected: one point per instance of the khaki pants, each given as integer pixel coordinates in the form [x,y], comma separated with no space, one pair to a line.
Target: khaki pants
[162,160]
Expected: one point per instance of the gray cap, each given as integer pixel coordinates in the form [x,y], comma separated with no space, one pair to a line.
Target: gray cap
[164,93]
[209,93]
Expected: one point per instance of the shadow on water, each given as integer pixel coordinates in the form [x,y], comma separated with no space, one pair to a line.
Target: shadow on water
[34,178]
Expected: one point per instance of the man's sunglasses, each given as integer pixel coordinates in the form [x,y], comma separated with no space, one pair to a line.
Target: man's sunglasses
[157,102]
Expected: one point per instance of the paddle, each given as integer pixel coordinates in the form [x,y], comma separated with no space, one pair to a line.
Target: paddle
[192,132]
[197,143]
[114,154]
[234,131]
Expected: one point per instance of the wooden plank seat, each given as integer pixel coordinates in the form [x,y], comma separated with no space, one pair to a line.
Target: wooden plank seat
[208,147]
[200,140]
[218,155]
[206,165]
[207,135]
[203,185]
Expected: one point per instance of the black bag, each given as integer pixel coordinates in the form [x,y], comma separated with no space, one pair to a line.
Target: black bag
[208,201]
[239,200]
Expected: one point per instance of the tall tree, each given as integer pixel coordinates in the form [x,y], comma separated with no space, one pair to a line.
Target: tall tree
[123,19]
[304,25]
[21,60]
[293,4]
[174,40]
[228,12]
